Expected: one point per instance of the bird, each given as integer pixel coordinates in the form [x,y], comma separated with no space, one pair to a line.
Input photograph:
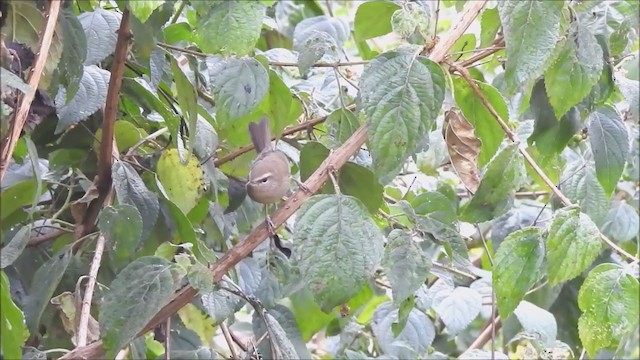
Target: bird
[270,174]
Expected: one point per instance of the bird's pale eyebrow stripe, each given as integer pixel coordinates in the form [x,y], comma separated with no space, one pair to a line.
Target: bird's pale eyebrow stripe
[265,175]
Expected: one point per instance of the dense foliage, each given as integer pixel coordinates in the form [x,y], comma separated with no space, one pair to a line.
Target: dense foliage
[473,170]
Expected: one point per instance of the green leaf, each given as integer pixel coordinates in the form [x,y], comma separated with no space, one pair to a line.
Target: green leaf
[338,247]
[489,26]
[183,183]
[228,27]
[314,48]
[142,9]
[14,331]
[175,33]
[486,127]
[281,317]
[416,337]
[12,80]
[406,265]
[11,251]
[131,190]
[400,95]
[578,66]
[609,300]
[531,30]
[630,89]
[373,19]
[504,175]
[282,108]
[17,196]
[457,307]
[74,50]
[134,297]
[101,32]
[609,144]
[278,336]
[239,85]
[44,283]
[353,179]
[517,267]
[573,243]
[91,95]
[622,222]
[343,123]
[536,320]
[187,98]
[122,227]
[580,185]
[550,135]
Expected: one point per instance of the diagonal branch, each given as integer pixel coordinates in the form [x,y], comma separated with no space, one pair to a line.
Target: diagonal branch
[20,117]
[334,161]
[514,138]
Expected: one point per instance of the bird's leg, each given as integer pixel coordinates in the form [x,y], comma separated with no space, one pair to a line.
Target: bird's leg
[270,226]
[302,186]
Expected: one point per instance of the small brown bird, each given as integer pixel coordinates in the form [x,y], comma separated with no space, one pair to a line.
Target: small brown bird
[270,173]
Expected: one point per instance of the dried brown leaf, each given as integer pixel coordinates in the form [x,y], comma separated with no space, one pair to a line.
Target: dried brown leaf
[463,146]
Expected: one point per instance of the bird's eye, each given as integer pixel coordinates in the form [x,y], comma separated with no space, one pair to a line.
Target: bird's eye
[264,180]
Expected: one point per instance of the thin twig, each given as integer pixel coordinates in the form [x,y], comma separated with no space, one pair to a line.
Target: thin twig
[514,138]
[167,339]
[20,118]
[320,65]
[227,337]
[85,313]
[485,335]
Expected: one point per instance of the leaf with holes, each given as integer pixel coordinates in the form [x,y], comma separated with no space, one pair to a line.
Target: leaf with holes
[504,175]
[337,249]
[609,144]
[517,267]
[134,297]
[573,243]
[463,147]
[609,299]
[401,94]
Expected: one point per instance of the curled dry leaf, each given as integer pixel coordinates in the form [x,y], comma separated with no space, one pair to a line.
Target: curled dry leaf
[463,147]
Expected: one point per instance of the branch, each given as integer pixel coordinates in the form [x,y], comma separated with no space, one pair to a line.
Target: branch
[103,179]
[514,138]
[241,250]
[15,128]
